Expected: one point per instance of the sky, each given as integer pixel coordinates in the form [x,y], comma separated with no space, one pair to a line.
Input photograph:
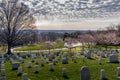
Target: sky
[75,14]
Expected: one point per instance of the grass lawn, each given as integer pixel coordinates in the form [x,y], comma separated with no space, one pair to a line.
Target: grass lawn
[30,47]
[73,70]
[42,47]
[3,49]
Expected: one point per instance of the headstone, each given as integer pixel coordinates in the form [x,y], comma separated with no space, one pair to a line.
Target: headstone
[102,55]
[64,73]
[113,59]
[107,55]
[51,57]
[11,60]
[2,78]
[102,74]
[3,73]
[45,56]
[78,54]
[15,65]
[33,60]
[51,67]
[118,78]
[118,71]
[58,53]
[64,60]
[42,63]
[94,55]
[54,62]
[36,62]
[115,52]
[2,56]
[21,60]
[99,61]
[74,59]
[83,59]
[84,73]
[82,52]
[29,64]
[24,56]
[25,76]
[98,53]
[36,69]
[33,55]
[47,60]
[111,51]
[16,56]
[2,66]
[28,55]
[2,60]
[88,55]
[58,58]
[19,71]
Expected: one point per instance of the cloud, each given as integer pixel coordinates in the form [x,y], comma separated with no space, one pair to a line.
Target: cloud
[100,12]
[83,24]
[91,8]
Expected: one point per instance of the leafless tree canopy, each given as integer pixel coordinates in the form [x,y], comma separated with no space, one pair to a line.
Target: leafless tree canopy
[15,20]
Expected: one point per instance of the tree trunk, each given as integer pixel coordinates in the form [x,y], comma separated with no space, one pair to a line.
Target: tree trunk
[71,54]
[82,46]
[49,50]
[106,48]
[9,49]
[70,50]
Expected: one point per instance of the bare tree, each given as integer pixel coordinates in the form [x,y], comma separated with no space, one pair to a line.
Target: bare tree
[49,45]
[70,42]
[106,38]
[82,41]
[86,39]
[118,30]
[15,20]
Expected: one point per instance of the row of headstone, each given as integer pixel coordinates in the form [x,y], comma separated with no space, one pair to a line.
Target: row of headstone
[64,60]
[88,55]
[74,59]
[2,60]
[102,53]
[19,71]
[85,74]
[15,65]
[3,72]
[113,58]
[25,76]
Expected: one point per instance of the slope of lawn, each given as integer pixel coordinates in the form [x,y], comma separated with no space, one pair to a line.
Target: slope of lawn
[60,45]
[73,70]
[41,46]
[3,49]
[30,47]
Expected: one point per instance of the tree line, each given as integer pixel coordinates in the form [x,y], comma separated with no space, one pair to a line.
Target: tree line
[110,36]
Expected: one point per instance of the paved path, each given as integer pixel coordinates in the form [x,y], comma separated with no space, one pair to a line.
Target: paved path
[38,50]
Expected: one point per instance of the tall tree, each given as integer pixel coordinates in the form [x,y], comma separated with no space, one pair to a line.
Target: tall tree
[15,21]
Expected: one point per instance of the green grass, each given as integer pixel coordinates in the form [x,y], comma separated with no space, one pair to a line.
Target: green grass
[41,46]
[3,49]
[30,47]
[73,70]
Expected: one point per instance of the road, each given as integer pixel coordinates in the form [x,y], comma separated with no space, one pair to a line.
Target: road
[38,50]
